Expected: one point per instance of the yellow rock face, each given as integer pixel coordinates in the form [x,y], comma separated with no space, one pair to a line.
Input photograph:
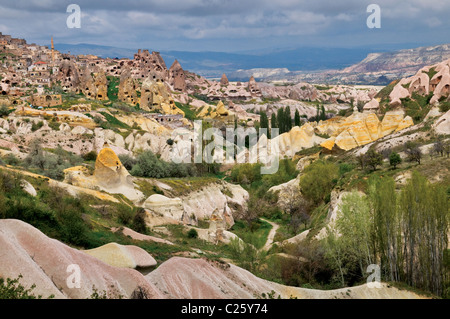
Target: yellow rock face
[361,128]
[390,122]
[220,112]
[121,256]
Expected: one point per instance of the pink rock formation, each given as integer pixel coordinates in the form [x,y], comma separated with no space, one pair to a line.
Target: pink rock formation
[177,77]
[44,261]
[224,80]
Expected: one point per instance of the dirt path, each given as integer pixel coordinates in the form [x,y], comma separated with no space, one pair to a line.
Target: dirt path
[271,235]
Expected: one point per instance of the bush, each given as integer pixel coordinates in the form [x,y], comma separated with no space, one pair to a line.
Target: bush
[127,161]
[12,289]
[36,126]
[147,164]
[139,223]
[318,180]
[90,156]
[373,158]
[192,233]
[4,111]
[345,168]
[395,159]
[12,160]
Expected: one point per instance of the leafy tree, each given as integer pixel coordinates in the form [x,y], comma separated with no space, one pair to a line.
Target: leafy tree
[414,153]
[373,159]
[318,180]
[395,159]
[438,147]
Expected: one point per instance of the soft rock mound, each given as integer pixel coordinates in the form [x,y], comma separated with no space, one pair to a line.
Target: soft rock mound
[121,256]
[168,207]
[199,279]
[44,261]
[361,129]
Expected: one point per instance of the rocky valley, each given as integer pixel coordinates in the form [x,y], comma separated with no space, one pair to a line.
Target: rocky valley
[100,177]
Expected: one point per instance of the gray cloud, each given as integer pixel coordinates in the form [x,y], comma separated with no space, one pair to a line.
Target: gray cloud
[229,25]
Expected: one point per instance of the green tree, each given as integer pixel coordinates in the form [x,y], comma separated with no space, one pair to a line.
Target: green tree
[273,121]
[395,159]
[323,115]
[281,120]
[373,159]
[265,122]
[297,118]
[318,180]
[288,118]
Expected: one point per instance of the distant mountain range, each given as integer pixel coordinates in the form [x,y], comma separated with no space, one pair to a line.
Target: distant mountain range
[213,64]
[314,65]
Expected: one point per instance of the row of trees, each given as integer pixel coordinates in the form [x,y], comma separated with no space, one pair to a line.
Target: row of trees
[282,120]
[405,233]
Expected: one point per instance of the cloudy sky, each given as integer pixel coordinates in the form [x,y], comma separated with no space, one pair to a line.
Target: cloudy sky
[229,25]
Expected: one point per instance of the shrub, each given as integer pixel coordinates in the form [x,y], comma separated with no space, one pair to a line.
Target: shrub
[90,156]
[345,168]
[192,233]
[395,159]
[12,289]
[12,160]
[373,158]
[139,223]
[318,180]
[36,126]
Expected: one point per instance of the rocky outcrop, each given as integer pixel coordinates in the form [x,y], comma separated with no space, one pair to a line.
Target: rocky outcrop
[214,201]
[372,106]
[127,88]
[69,76]
[122,256]
[433,80]
[198,279]
[219,112]
[109,175]
[361,129]
[177,77]
[45,262]
[253,87]
[156,97]
[224,80]
[94,85]
[168,207]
